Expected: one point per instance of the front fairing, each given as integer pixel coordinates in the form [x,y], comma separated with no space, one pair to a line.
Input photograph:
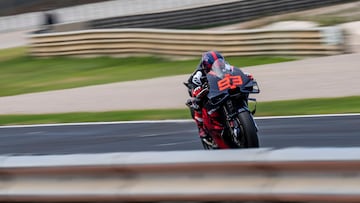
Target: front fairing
[224,79]
[226,82]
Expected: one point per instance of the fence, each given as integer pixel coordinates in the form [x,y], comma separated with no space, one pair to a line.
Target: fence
[285,175]
[124,42]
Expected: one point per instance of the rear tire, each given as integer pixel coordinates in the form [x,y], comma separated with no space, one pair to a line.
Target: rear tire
[249,131]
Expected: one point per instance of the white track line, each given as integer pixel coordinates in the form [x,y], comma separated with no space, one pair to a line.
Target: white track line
[307,116]
[170,121]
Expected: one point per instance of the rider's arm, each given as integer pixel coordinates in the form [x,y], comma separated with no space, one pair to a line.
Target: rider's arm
[195,81]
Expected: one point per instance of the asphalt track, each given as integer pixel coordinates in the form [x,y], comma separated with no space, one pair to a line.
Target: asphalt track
[278,132]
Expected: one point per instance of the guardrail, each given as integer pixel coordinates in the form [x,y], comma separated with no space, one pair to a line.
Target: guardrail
[291,175]
[120,42]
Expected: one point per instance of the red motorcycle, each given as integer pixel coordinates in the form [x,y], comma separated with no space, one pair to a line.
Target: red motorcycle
[227,90]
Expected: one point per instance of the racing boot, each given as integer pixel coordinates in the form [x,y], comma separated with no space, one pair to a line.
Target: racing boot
[207,139]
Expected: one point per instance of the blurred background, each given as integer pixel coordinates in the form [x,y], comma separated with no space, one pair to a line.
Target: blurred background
[126,60]
[96,14]
[57,45]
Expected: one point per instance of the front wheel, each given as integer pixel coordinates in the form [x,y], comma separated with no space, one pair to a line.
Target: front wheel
[249,137]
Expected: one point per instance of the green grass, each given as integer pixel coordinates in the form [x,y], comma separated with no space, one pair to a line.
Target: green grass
[325,19]
[292,107]
[310,106]
[11,53]
[23,74]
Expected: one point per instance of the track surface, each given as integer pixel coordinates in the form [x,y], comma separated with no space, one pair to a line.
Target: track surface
[329,131]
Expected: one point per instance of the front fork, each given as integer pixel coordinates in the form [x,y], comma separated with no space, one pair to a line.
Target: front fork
[232,121]
[232,124]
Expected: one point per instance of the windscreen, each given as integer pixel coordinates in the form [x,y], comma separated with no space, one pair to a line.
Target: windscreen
[221,68]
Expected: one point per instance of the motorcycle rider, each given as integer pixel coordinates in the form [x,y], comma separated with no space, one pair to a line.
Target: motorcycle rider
[207,120]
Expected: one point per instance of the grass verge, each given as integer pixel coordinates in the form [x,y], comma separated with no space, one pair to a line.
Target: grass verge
[11,53]
[291,107]
[21,74]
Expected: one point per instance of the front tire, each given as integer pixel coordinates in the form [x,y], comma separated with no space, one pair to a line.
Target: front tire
[249,130]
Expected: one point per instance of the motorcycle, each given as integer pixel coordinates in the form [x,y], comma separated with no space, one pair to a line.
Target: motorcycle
[227,90]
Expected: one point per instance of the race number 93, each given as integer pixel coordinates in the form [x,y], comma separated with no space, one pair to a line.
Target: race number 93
[230,82]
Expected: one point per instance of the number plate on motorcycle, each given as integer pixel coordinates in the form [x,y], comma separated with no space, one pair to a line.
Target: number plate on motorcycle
[229,82]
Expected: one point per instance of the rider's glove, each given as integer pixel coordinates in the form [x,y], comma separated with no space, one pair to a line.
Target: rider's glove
[196,91]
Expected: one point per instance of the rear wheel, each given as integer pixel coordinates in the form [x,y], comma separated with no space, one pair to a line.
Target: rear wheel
[249,137]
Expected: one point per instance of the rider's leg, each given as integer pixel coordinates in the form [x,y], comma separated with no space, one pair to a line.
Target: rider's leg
[198,117]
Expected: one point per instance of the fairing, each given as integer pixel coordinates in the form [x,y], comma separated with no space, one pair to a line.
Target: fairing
[224,79]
